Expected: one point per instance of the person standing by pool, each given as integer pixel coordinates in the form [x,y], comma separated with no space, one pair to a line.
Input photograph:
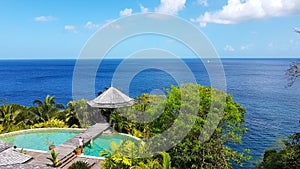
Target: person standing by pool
[80,143]
[91,142]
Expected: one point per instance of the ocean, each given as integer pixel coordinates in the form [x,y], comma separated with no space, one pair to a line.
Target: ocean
[257,84]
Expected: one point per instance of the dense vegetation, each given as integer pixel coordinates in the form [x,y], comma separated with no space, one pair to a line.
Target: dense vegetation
[42,114]
[79,165]
[286,157]
[190,152]
[116,159]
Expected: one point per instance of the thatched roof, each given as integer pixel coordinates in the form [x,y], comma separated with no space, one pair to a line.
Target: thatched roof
[8,156]
[112,98]
[4,146]
[24,166]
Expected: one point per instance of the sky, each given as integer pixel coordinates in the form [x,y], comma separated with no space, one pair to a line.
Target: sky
[58,29]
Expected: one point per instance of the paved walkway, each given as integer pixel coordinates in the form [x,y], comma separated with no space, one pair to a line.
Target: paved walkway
[68,147]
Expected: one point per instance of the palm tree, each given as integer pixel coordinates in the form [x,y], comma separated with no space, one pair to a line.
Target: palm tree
[9,116]
[47,109]
[71,116]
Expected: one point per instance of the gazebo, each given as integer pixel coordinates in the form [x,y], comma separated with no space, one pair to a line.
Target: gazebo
[111,99]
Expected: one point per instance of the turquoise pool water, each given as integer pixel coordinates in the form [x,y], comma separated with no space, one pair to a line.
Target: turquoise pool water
[103,142]
[39,140]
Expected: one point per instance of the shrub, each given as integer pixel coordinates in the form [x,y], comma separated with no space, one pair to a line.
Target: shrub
[79,165]
[54,159]
[50,123]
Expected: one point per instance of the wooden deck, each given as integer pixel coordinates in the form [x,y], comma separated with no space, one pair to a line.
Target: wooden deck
[66,149]
[96,163]
[93,163]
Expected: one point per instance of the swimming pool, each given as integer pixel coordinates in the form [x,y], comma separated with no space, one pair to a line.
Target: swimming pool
[103,141]
[38,139]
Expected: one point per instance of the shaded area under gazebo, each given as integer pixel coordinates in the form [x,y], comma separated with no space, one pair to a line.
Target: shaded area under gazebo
[109,100]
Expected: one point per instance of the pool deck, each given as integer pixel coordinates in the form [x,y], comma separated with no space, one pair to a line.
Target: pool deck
[66,149]
[95,163]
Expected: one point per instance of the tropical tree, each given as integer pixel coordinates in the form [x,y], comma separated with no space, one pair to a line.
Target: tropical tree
[71,117]
[212,152]
[287,157]
[156,163]
[47,109]
[146,100]
[121,156]
[191,151]
[11,117]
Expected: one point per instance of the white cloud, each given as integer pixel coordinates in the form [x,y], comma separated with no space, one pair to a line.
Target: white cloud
[44,18]
[90,25]
[126,12]
[203,2]
[238,11]
[229,48]
[246,47]
[171,7]
[143,9]
[70,28]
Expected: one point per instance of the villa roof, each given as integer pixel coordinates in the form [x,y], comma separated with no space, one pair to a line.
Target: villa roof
[3,146]
[112,98]
[9,156]
[24,166]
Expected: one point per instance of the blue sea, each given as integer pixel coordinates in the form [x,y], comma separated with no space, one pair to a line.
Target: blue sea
[258,84]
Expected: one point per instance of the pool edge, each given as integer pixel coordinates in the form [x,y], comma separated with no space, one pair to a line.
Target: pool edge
[41,129]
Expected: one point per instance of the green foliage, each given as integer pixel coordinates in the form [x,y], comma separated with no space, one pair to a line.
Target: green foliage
[114,158]
[166,164]
[201,147]
[50,123]
[54,160]
[146,101]
[79,165]
[12,117]
[212,153]
[71,116]
[159,113]
[288,157]
[156,163]
[46,110]
[43,114]
[119,157]
[83,114]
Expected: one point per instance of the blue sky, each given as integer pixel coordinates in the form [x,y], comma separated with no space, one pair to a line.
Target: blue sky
[58,29]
